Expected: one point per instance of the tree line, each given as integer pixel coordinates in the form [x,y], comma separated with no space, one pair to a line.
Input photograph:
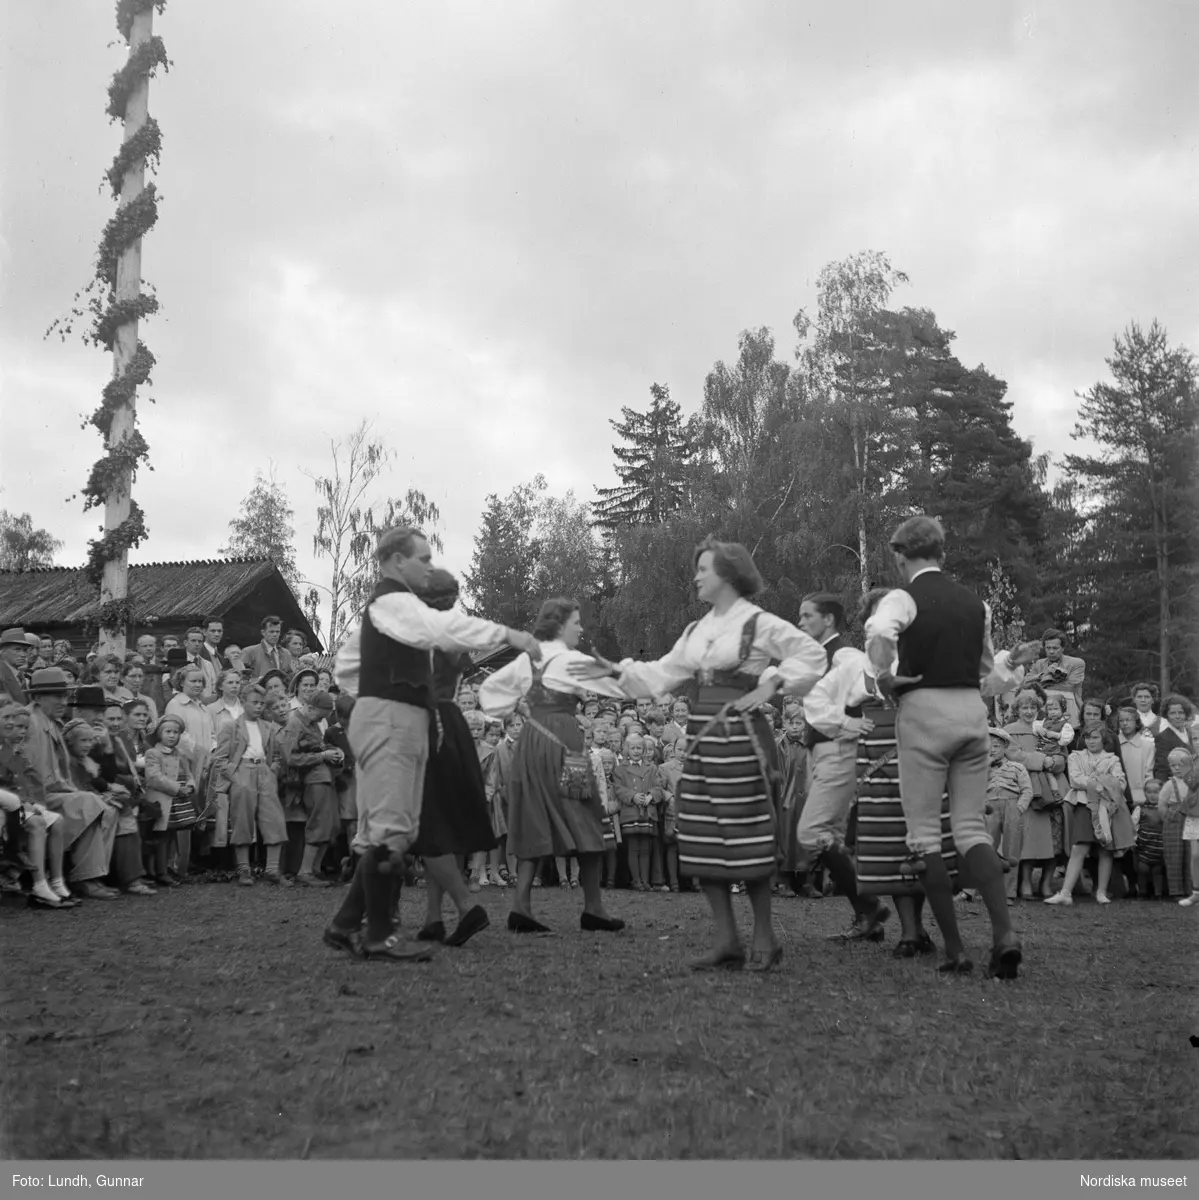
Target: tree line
[812,461]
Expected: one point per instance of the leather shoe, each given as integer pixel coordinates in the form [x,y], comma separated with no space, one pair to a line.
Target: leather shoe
[1006,956]
[590,923]
[394,949]
[91,890]
[763,962]
[433,932]
[473,921]
[342,939]
[961,965]
[865,928]
[519,923]
[720,960]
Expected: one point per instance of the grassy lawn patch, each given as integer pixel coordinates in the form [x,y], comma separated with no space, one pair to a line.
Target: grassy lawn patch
[211,1022]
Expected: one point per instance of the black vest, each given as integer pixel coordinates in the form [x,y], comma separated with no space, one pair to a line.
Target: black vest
[944,643]
[392,670]
[813,737]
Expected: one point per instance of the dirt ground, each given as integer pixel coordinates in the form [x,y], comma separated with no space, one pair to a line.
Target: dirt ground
[211,1022]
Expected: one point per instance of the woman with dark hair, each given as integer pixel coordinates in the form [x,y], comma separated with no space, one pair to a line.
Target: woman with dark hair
[1175,734]
[1093,712]
[726,823]
[1144,699]
[553,801]
[455,820]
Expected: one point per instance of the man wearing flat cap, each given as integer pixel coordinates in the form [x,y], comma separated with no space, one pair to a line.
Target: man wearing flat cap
[14,655]
[89,822]
[941,633]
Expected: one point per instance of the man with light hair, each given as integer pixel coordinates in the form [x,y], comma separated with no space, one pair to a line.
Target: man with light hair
[386,664]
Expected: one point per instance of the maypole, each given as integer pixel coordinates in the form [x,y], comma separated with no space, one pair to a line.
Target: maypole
[117,308]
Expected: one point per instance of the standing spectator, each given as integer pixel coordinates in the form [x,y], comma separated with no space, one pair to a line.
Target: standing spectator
[1009,793]
[1043,836]
[640,796]
[1137,750]
[194,645]
[1175,734]
[1185,784]
[133,682]
[793,763]
[169,784]
[152,685]
[233,659]
[1060,674]
[214,630]
[196,746]
[14,654]
[245,771]
[295,644]
[107,672]
[310,798]
[1096,786]
[268,654]
[1144,698]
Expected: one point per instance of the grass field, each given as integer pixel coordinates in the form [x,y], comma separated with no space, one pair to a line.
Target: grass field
[211,1022]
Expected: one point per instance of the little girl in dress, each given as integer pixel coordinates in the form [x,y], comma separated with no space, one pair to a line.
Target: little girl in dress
[1054,734]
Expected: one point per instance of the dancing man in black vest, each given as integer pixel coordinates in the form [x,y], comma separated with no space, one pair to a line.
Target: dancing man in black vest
[832,726]
[941,632]
[386,663]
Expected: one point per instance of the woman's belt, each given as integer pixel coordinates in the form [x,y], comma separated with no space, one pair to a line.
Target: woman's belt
[741,680]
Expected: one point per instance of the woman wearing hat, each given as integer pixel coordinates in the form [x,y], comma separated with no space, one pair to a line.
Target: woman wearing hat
[89,824]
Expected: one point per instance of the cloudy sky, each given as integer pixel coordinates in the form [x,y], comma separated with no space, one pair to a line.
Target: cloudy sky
[488,226]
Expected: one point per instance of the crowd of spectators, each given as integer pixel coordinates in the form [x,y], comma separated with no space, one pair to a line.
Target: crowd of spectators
[196,759]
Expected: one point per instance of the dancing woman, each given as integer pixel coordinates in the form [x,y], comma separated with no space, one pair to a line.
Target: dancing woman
[541,820]
[726,824]
[455,820]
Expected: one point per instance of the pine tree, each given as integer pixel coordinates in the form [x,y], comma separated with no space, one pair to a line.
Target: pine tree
[652,466]
[504,564]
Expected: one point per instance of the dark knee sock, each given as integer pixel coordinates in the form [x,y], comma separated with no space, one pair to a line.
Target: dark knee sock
[397,889]
[378,888]
[987,872]
[938,890]
[844,874]
[353,907]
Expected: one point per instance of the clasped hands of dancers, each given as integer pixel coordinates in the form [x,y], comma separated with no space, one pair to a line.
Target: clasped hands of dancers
[928,652]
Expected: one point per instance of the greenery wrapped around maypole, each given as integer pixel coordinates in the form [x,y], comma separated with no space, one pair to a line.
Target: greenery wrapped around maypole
[117,305]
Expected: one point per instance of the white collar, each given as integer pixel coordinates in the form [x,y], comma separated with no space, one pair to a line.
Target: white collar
[830,637]
[923,571]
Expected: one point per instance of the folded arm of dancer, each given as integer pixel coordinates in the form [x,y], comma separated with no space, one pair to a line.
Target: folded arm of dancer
[500,693]
[844,686]
[406,618]
[714,643]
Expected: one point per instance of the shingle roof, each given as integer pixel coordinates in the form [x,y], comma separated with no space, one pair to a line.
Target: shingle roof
[158,591]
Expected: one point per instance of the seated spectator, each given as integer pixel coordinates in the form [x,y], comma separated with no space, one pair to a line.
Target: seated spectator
[1058,673]
[1175,734]
[89,824]
[34,831]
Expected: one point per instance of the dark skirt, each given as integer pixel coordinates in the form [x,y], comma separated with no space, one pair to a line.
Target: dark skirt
[882,846]
[541,821]
[454,815]
[727,830]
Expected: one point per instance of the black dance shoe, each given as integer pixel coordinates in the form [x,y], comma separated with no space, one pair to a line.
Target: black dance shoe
[473,921]
[590,923]
[519,923]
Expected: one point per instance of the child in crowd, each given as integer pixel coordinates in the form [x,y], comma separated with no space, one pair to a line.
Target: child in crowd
[169,790]
[793,792]
[1054,733]
[309,797]
[639,794]
[1177,799]
[1009,793]
[605,759]
[246,769]
[345,782]
[669,774]
[1151,862]
[501,773]
[1097,815]
[128,865]
[487,866]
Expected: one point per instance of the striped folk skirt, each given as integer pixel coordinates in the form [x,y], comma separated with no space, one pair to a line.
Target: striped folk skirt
[882,846]
[726,816]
